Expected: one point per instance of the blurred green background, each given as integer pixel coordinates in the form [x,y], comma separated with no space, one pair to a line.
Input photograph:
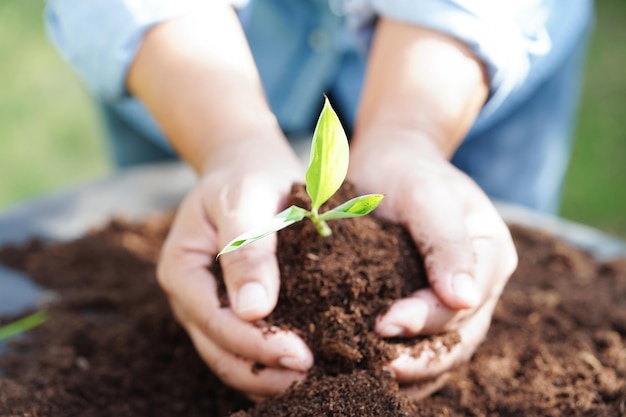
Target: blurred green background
[50,137]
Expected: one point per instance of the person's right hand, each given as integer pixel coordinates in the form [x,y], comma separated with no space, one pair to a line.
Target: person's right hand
[244,184]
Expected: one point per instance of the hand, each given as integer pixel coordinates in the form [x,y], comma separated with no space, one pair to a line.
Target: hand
[210,103]
[244,183]
[468,251]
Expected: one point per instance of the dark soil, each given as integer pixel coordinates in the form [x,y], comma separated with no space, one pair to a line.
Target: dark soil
[557,345]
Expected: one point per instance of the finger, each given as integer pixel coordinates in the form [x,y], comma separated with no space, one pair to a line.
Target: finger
[183,274]
[438,359]
[496,257]
[251,273]
[441,236]
[422,313]
[421,390]
[251,276]
[239,373]
[192,235]
[201,309]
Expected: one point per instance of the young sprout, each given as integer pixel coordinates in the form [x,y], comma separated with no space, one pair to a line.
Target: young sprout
[23,325]
[327,170]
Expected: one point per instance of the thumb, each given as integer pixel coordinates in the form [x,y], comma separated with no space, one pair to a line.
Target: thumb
[251,273]
[449,258]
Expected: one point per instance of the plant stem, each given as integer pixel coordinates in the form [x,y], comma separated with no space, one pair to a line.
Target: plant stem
[320,224]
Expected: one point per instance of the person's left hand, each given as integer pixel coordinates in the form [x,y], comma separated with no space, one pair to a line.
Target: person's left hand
[468,251]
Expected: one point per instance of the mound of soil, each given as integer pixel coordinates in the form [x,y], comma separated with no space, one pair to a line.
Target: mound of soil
[557,345]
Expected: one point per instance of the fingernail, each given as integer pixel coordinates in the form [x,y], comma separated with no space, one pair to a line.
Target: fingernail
[465,289]
[251,297]
[296,364]
[391,330]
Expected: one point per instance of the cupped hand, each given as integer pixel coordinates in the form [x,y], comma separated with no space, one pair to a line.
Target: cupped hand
[468,251]
[243,185]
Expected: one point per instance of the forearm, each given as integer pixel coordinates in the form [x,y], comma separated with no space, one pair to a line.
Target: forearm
[197,77]
[420,84]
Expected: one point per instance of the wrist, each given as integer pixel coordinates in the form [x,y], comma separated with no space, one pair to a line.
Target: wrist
[259,140]
[197,77]
[252,151]
[225,142]
[375,138]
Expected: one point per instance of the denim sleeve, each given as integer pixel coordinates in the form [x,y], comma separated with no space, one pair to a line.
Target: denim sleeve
[504,35]
[99,38]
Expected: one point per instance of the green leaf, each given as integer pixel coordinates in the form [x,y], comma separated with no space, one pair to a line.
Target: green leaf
[328,164]
[23,325]
[280,221]
[358,206]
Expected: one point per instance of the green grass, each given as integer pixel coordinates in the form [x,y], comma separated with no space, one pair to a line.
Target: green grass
[49,133]
[23,325]
[595,190]
[50,138]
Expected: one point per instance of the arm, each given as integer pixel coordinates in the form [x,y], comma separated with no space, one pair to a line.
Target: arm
[197,77]
[421,81]
[423,91]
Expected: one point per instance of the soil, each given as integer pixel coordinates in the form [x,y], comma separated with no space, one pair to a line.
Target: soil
[556,347]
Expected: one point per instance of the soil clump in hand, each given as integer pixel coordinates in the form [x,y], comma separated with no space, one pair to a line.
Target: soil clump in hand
[332,290]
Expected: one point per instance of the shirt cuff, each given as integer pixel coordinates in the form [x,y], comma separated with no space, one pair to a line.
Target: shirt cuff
[100,38]
[502,34]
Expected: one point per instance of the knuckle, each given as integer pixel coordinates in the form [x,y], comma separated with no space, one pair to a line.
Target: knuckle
[166,266]
[224,369]
[508,258]
[179,315]
[244,257]
[238,265]
[512,261]
[163,277]
[211,327]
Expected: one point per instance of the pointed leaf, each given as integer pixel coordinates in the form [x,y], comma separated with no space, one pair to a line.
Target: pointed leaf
[280,221]
[329,158]
[23,325]
[358,206]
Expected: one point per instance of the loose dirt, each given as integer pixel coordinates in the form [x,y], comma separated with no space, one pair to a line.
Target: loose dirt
[556,347]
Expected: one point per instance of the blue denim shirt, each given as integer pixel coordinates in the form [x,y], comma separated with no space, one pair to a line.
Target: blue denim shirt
[301,46]
[305,47]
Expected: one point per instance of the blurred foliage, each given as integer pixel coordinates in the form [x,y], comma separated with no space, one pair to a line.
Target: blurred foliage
[49,133]
[595,189]
[23,325]
[50,137]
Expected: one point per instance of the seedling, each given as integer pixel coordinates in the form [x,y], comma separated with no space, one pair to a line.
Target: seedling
[23,325]
[328,166]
